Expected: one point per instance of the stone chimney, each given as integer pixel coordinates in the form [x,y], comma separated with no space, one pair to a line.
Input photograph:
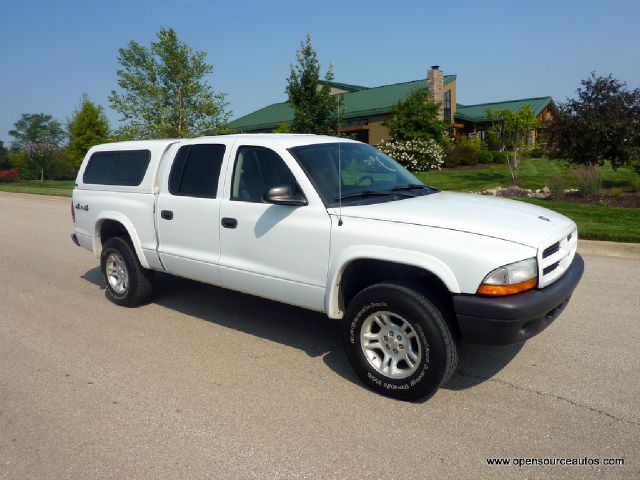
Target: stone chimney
[435,86]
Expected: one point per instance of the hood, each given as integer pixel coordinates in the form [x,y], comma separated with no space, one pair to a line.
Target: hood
[509,220]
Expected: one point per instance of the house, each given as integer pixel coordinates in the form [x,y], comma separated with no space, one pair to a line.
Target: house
[472,119]
[366,109]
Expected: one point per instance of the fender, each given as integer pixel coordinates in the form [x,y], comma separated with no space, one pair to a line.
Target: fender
[404,257]
[128,225]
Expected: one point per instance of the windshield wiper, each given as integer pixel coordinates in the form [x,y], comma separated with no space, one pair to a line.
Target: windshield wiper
[371,193]
[410,186]
[363,193]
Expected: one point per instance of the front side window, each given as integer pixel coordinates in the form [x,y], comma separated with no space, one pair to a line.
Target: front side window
[258,169]
[356,172]
[118,167]
[196,170]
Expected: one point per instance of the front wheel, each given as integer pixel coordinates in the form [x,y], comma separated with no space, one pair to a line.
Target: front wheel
[128,284]
[398,342]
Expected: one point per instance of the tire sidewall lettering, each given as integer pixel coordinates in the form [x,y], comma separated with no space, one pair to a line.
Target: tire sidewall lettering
[356,320]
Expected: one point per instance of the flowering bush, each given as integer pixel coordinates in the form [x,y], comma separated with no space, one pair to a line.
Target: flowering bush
[9,175]
[40,149]
[418,155]
[41,154]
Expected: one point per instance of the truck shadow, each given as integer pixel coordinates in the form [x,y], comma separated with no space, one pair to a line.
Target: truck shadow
[479,363]
[312,332]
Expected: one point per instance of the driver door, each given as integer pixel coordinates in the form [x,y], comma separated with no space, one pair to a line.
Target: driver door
[279,252]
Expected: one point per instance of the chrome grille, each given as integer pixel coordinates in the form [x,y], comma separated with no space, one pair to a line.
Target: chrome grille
[555,256]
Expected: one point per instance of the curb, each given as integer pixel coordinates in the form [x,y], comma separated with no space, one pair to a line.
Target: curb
[609,249]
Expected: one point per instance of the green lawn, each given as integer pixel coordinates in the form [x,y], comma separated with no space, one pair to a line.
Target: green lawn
[60,188]
[534,174]
[617,224]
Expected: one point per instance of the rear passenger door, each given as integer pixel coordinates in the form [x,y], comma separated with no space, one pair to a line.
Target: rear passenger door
[188,213]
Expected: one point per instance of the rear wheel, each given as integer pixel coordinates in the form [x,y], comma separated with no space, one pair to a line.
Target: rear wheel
[128,284]
[398,342]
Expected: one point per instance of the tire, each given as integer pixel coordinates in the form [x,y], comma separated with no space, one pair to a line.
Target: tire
[128,284]
[398,342]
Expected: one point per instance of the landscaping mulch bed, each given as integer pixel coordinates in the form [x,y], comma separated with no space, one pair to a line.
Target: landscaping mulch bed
[478,166]
[627,199]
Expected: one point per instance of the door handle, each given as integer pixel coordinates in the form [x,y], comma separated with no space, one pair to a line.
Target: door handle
[229,222]
[166,214]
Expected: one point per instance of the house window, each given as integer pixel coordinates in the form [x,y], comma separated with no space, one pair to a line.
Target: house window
[446,104]
[355,123]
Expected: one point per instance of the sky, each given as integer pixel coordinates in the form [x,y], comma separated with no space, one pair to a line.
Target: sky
[53,52]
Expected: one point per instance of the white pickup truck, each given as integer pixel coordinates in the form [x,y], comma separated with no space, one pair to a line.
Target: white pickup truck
[335,226]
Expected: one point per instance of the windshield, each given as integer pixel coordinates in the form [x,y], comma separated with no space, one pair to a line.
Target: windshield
[365,173]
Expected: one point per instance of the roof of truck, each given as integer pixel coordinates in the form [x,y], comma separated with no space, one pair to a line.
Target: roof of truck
[285,140]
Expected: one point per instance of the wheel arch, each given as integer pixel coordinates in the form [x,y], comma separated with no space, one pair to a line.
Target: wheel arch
[110,224]
[361,267]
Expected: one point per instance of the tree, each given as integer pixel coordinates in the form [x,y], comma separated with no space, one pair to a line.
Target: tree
[164,91]
[36,128]
[283,127]
[4,157]
[41,155]
[415,118]
[315,109]
[602,123]
[88,127]
[512,130]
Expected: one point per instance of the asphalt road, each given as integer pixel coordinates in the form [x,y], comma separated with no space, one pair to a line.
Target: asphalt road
[207,383]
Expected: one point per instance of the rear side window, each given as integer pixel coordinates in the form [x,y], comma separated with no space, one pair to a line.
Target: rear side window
[195,171]
[122,167]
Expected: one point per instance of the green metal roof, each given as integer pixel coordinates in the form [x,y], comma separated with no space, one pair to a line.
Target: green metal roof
[478,113]
[265,118]
[343,86]
[368,101]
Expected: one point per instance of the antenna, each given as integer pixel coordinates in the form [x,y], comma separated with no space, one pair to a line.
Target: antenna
[339,165]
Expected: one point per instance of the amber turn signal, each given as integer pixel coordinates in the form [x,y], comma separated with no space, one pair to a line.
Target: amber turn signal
[502,290]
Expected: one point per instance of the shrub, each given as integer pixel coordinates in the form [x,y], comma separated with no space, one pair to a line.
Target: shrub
[460,154]
[536,152]
[485,156]
[418,155]
[589,180]
[450,161]
[615,192]
[9,175]
[635,185]
[557,185]
[468,156]
[499,156]
[283,127]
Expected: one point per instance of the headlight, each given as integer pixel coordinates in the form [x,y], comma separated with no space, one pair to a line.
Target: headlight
[509,279]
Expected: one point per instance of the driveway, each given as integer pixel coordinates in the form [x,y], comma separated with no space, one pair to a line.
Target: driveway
[207,383]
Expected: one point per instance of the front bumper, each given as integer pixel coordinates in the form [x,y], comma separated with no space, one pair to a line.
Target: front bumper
[513,319]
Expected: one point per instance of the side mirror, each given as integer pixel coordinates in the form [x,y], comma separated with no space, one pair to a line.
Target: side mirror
[284,195]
